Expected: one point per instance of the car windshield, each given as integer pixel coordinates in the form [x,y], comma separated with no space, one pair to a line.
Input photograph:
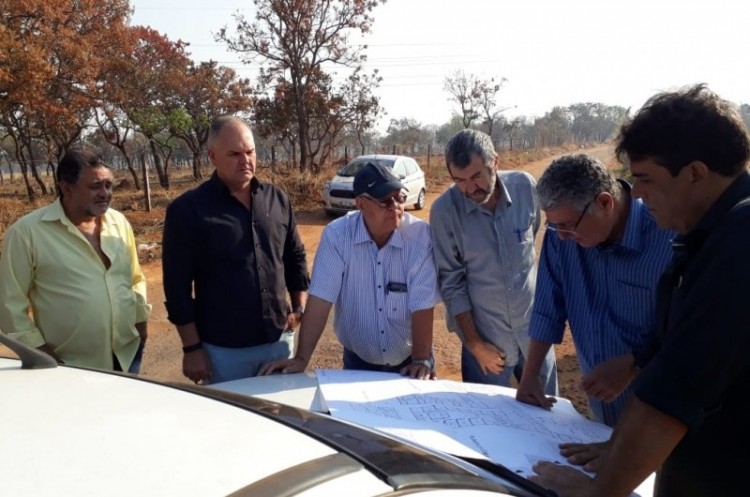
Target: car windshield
[354,166]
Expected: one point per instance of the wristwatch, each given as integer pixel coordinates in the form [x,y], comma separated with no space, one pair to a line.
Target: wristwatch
[299,309]
[428,363]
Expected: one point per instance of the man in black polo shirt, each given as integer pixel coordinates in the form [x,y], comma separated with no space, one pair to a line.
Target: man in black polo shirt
[688,152]
[231,252]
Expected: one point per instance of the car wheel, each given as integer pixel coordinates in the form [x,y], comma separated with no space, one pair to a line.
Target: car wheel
[421,200]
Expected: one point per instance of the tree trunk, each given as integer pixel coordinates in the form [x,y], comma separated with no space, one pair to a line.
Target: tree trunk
[157,164]
[197,166]
[303,146]
[25,174]
[38,177]
[133,172]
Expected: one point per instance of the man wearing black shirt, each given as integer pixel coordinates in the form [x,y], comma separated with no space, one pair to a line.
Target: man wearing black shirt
[688,152]
[231,252]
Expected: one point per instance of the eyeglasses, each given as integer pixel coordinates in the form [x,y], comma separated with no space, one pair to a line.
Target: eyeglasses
[387,202]
[571,231]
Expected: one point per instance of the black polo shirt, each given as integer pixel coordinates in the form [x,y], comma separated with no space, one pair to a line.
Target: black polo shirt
[697,368]
[228,269]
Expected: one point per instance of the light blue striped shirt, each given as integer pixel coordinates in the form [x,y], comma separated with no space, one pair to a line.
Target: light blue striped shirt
[606,293]
[350,272]
[486,261]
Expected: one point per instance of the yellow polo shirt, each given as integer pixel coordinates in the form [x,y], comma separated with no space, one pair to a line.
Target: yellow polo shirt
[83,310]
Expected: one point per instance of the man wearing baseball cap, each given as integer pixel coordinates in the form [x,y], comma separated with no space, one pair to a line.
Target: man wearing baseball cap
[375,266]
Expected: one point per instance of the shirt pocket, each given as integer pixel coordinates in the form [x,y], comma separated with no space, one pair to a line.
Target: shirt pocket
[397,309]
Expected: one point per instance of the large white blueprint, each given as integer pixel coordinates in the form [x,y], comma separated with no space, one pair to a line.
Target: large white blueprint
[464,419]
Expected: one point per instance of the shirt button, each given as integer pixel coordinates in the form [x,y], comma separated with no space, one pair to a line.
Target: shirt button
[381,331]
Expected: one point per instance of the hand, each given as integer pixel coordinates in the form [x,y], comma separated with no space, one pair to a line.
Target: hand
[530,391]
[609,378]
[285,366]
[490,358]
[142,329]
[564,480]
[418,371]
[293,320]
[590,456]
[196,365]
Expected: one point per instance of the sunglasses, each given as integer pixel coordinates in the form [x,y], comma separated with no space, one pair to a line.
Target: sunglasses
[384,203]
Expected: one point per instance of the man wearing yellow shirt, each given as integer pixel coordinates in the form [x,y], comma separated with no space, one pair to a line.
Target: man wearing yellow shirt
[70,281]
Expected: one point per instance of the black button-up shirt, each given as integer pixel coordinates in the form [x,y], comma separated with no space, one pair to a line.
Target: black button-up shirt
[697,368]
[228,269]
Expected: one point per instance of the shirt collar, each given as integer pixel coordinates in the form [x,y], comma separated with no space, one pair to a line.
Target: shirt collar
[220,189]
[632,237]
[55,212]
[361,235]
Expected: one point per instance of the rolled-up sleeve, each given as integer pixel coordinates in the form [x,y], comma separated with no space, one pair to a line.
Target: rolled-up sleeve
[549,314]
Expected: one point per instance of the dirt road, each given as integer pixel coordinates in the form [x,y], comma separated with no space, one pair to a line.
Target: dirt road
[163,356]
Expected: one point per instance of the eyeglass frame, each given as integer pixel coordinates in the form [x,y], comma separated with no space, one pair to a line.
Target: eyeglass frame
[396,201]
[572,231]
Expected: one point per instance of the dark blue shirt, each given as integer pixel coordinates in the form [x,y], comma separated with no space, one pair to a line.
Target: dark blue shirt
[229,269]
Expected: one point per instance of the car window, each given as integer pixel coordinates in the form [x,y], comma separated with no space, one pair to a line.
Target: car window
[354,166]
[411,167]
[399,168]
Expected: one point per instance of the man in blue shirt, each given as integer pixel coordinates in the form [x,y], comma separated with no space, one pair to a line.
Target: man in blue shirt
[601,260]
[375,267]
[483,231]
[688,151]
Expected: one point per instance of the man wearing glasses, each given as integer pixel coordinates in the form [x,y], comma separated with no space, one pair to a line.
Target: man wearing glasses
[483,230]
[601,260]
[375,265]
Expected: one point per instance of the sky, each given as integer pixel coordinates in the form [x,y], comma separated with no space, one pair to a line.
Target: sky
[552,52]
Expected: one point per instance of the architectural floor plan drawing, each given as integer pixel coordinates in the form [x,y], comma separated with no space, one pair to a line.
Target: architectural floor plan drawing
[464,419]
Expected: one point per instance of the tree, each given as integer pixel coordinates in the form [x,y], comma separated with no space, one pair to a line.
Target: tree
[464,90]
[210,90]
[293,40]
[487,102]
[51,58]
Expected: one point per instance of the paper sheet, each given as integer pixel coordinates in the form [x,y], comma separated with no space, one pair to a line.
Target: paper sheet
[463,419]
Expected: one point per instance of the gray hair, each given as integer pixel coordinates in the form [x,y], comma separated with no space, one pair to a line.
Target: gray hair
[468,142]
[575,180]
[218,123]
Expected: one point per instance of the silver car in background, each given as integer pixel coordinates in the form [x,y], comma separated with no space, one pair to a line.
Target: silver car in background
[338,194]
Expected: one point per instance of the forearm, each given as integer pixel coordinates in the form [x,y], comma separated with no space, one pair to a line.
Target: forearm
[142,328]
[641,442]
[188,334]
[535,358]
[313,323]
[299,299]
[465,322]
[421,333]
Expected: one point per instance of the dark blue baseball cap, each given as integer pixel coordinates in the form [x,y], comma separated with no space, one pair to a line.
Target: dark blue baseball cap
[376,180]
